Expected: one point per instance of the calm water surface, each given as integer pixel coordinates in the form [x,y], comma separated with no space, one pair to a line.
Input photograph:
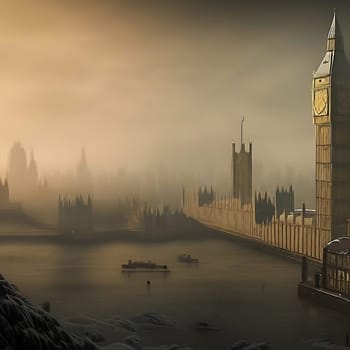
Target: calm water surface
[246,292]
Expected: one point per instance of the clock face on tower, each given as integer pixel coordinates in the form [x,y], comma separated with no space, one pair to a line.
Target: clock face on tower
[320,102]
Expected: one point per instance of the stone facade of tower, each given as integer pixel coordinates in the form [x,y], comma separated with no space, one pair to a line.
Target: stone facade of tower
[331,116]
[242,173]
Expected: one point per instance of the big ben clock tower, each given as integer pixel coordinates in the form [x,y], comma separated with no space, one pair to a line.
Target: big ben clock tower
[331,116]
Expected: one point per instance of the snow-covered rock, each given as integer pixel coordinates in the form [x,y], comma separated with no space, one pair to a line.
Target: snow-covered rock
[24,325]
[155,319]
[257,346]
[27,326]
[122,323]
[327,345]
[134,341]
[168,347]
[238,345]
[117,346]
[245,345]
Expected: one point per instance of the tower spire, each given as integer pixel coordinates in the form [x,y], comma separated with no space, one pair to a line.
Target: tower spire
[335,50]
[335,38]
[242,121]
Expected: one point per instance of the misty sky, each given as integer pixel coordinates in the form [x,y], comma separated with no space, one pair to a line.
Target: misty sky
[143,83]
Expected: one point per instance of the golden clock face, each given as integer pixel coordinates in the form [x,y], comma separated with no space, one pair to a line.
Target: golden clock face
[321,102]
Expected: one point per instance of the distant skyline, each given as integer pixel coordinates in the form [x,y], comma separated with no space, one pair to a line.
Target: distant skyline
[146,83]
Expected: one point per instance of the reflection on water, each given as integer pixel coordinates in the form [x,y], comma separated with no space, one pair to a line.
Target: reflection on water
[245,292]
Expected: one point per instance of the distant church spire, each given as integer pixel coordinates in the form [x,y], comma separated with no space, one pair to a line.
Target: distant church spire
[83,173]
[82,167]
[32,170]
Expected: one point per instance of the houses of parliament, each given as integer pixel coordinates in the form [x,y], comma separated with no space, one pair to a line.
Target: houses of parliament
[275,221]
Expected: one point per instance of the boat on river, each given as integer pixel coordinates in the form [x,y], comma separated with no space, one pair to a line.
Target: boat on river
[144,266]
[187,258]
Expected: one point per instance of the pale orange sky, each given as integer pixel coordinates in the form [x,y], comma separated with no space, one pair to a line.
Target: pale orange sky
[147,83]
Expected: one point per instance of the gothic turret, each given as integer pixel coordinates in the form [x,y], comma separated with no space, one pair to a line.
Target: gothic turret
[32,171]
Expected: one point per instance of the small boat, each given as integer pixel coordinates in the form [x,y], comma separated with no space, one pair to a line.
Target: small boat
[144,266]
[187,258]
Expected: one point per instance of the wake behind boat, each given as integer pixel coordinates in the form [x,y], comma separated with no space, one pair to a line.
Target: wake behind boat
[144,266]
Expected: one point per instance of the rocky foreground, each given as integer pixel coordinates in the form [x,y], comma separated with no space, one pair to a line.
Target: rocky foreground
[27,326]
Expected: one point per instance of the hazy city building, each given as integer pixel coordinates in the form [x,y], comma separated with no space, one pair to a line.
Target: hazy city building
[264,209]
[22,177]
[4,194]
[205,197]
[75,216]
[17,167]
[242,173]
[284,200]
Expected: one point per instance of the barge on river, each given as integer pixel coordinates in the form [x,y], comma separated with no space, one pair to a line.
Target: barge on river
[144,266]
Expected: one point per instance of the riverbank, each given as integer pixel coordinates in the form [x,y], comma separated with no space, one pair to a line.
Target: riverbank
[193,232]
[324,297]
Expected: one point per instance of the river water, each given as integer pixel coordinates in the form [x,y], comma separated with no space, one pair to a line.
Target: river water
[245,292]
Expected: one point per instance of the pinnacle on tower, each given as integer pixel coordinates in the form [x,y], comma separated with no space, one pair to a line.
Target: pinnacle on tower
[335,50]
[335,37]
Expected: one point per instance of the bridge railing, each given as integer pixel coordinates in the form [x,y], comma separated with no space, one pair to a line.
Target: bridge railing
[295,238]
